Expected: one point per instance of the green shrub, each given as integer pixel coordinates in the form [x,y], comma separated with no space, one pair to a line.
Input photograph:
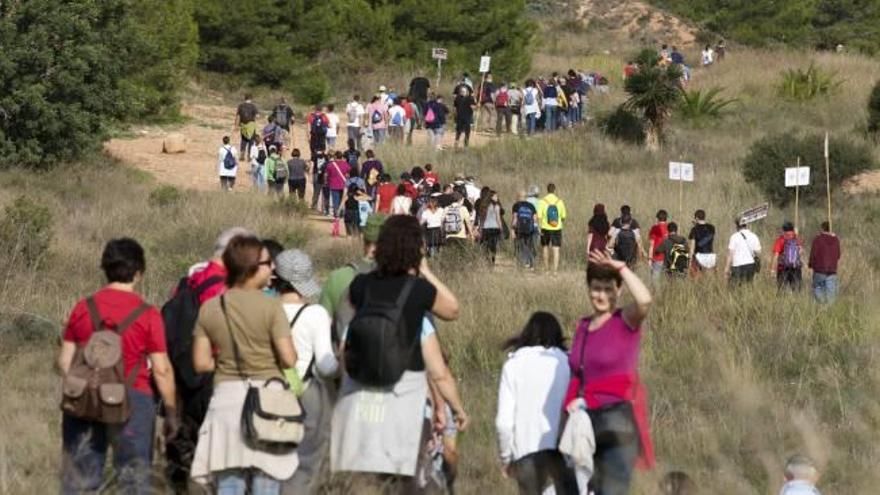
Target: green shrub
[765,164]
[623,125]
[164,196]
[698,104]
[25,231]
[874,111]
[806,84]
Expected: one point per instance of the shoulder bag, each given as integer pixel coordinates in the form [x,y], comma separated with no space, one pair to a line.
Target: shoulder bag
[271,417]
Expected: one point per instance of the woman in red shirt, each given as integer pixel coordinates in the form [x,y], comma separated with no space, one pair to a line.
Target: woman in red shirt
[604,375]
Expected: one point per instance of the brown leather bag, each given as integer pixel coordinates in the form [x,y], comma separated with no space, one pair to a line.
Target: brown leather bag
[96,388]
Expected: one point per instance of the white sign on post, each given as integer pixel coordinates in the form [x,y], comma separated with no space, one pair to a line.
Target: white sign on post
[485,60]
[797,176]
[754,214]
[438,53]
[681,171]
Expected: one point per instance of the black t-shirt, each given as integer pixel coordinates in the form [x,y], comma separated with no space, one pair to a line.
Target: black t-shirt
[703,235]
[634,224]
[247,112]
[420,301]
[488,91]
[464,108]
[283,115]
[418,88]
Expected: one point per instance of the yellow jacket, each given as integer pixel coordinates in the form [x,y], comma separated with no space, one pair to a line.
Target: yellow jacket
[543,204]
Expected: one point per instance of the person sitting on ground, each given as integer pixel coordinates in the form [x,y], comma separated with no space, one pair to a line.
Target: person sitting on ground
[136,327]
[801,476]
[533,385]
[399,382]
[605,381]
[243,337]
[675,252]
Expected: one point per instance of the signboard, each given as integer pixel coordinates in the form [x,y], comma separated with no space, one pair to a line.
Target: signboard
[484,63]
[438,53]
[797,176]
[754,214]
[681,171]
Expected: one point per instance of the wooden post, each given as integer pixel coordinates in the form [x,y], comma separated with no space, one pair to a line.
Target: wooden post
[480,103]
[681,197]
[439,65]
[797,193]
[828,183]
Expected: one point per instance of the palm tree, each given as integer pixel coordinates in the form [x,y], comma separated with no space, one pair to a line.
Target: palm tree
[654,91]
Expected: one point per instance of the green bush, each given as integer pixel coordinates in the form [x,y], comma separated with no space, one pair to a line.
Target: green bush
[698,104]
[25,231]
[623,125]
[164,196]
[806,84]
[765,164]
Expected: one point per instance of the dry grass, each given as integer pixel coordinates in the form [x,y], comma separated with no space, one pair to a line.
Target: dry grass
[737,380]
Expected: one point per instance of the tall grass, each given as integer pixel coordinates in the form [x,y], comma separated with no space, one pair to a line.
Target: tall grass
[737,380]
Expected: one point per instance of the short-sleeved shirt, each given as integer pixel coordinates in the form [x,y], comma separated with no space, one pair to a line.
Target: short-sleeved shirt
[257,321]
[144,337]
[387,289]
[743,243]
[296,169]
[657,234]
[465,221]
[354,111]
[247,112]
[418,88]
[374,107]
[703,235]
[612,349]
[398,111]
[386,194]
[332,124]
[544,204]
[336,171]
[524,208]
[464,108]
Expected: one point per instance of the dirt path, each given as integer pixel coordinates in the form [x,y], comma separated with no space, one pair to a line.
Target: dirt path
[209,122]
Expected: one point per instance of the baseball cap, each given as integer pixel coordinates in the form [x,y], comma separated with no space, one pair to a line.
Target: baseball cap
[374,225]
[295,267]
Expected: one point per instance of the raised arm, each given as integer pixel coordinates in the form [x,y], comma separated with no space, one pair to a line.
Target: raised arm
[634,313]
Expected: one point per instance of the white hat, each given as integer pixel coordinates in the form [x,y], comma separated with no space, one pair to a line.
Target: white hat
[295,267]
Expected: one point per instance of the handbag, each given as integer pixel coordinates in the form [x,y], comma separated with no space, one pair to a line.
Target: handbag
[271,417]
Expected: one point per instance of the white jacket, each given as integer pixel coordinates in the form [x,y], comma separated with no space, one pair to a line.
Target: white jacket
[533,385]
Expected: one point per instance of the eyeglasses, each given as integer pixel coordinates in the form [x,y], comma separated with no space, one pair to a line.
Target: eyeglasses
[265,262]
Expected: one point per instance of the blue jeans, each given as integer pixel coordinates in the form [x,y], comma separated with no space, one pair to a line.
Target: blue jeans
[336,198]
[550,117]
[573,114]
[325,199]
[84,446]
[531,123]
[379,135]
[525,250]
[825,287]
[259,177]
[241,482]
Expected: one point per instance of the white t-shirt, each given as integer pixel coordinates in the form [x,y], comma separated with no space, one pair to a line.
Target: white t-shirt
[311,337]
[396,110]
[535,107]
[401,205]
[433,220]
[333,125]
[708,56]
[742,244]
[354,111]
[222,170]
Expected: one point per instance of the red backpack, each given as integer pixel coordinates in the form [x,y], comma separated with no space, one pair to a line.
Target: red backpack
[502,99]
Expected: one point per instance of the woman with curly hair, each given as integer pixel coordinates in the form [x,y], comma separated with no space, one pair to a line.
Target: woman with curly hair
[381,429]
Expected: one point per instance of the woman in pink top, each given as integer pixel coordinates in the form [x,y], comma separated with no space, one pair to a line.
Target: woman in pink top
[604,375]
[337,174]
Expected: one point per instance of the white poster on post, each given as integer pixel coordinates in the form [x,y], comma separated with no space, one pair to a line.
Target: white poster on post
[681,171]
[797,176]
[485,60]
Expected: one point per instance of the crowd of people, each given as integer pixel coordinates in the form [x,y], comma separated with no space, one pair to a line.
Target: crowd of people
[259,387]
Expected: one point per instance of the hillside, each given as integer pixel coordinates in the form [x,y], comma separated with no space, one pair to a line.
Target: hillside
[737,380]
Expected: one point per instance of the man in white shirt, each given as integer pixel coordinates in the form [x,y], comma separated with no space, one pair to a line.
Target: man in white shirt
[396,122]
[227,165]
[355,112]
[744,255]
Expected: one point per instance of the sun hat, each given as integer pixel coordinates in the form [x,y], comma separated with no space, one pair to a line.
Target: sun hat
[534,190]
[382,88]
[295,267]
[374,225]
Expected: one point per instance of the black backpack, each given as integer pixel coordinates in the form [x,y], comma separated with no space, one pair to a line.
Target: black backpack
[179,315]
[677,260]
[625,246]
[319,126]
[378,347]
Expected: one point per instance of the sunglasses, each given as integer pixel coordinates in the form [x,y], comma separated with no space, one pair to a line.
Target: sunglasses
[265,262]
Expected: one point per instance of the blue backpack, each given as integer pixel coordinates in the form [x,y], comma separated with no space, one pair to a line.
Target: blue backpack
[525,224]
[229,161]
[397,120]
[553,215]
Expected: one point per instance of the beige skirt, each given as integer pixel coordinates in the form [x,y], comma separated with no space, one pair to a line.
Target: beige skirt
[221,445]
